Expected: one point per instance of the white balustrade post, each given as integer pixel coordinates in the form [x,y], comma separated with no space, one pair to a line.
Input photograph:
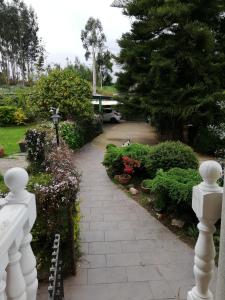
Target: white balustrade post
[28,265]
[16,179]
[4,262]
[15,287]
[206,203]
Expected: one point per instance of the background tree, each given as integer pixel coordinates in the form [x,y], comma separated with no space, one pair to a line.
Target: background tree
[104,67]
[173,62]
[93,40]
[19,43]
[64,89]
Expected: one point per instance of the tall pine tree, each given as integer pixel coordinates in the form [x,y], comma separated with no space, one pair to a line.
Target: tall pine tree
[173,62]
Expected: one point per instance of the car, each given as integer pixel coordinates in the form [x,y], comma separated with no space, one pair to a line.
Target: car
[111,115]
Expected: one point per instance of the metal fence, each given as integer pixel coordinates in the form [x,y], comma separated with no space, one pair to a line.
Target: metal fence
[55,287]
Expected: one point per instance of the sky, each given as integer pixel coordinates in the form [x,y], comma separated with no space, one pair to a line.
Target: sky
[61,21]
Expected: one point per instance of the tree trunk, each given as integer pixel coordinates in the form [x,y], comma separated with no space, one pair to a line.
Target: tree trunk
[94,70]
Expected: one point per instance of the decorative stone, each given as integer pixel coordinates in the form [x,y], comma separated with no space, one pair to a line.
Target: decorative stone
[210,171]
[133,191]
[16,179]
[177,223]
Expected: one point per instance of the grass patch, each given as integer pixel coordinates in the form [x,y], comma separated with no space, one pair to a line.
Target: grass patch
[10,136]
[109,90]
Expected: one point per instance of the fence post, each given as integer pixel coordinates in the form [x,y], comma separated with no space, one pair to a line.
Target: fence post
[206,203]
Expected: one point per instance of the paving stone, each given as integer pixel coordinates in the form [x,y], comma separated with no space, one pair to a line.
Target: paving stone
[107,275]
[105,247]
[137,246]
[105,226]
[143,273]
[84,248]
[92,261]
[119,235]
[162,290]
[124,259]
[80,278]
[92,236]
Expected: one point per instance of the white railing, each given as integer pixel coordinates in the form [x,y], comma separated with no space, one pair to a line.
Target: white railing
[207,205]
[18,274]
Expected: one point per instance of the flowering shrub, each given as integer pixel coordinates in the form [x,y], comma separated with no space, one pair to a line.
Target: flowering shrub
[35,140]
[130,165]
[56,190]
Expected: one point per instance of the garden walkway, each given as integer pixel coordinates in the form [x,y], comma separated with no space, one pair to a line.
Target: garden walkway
[127,253]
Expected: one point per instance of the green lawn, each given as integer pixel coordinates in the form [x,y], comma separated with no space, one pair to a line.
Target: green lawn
[10,136]
[107,90]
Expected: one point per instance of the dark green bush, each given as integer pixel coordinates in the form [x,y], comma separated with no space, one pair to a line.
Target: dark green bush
[173,189]
[169,155]
[71,135]
[78,134]
[7,115]
[113,156]
[208,141]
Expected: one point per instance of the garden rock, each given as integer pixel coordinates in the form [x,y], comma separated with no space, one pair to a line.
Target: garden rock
[177,223]
[133,191]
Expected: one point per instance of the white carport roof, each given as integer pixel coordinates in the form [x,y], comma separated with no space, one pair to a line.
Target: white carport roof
[105,102]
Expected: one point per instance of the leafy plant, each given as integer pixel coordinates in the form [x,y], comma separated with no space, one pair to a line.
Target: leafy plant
[113,156]
[7,115]
[173,189]
[67,90]
[20,117]
[71,134]
[169,155]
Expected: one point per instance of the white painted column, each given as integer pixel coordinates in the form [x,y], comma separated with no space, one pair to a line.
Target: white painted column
[220,286]
[15,284]
[206,203]
[3,277]
[28,265]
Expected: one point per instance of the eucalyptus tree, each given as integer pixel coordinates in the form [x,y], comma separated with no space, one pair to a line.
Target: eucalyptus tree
[93,40]
[20,46]
[104,66]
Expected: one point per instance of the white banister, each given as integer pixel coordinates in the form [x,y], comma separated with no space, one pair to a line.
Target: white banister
[207,204]
[17,217]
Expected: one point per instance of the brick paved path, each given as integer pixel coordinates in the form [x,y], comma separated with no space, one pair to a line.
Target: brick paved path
[127,254]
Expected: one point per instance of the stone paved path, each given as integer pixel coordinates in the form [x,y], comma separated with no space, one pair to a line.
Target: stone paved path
[127,254]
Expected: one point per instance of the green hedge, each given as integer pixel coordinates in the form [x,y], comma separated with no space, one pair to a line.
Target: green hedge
[164,156]
[78,134]
[173,189]
[7,115]
[113,156]
[169,155]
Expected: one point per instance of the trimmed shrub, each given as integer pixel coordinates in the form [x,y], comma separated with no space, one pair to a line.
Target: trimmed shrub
[113,159]
[173,189]
[76,135]
[7,115]
[169,155]
[71,134]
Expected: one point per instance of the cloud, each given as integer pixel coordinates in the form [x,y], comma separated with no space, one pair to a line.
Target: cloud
[61,22]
